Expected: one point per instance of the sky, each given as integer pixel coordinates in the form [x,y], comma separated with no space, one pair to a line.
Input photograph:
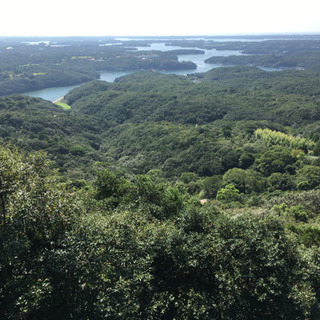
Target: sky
[157,17]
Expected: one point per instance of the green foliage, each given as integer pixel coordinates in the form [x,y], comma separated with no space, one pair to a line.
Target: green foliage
[198,220]
[130,261]
[155,97]
[188,177]
[246,181]
[11,172]
[77,151]
[228,193]
[311,175]
[246,160]
[38,213]
[211,186]
[170,147]
[276,160]
[160,200]
[310,200]
[316,149]
[89,88]
[308,234]
[64,105]
[283,54]
[129,267]
[34,124]
[110,188]
[297,212]
[280,138]
[280,181]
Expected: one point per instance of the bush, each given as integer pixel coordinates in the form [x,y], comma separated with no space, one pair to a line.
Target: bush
[228,194]
[77,151]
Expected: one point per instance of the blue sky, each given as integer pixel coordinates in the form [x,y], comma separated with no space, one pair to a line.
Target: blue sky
[162,17]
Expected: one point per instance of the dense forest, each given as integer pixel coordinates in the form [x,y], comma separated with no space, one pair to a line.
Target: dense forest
[161,196]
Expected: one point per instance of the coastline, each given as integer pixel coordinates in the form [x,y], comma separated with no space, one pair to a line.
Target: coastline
[57,100]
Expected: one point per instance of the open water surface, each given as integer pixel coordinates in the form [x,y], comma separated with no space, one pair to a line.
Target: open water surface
[54,93]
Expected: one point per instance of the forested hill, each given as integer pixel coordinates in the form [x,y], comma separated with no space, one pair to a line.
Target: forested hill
[228,93]
[33,124]
[201,124]
[304,82]
[296,54]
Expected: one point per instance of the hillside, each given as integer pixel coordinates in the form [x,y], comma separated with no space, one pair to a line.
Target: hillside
[155,97]
[33,124]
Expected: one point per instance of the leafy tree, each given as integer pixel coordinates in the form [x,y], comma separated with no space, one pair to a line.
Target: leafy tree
[316,149]
[228,193]
[246,181]
[11,171]
[108,184]
[39,211]
[308,199]
[77,151]
[246,160]
[280,181]
[276,160]
[310,174]
[211,186]
[280,138]
[188,177]
[160,200]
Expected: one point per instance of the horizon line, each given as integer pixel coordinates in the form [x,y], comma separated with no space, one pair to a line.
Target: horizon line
[170,36]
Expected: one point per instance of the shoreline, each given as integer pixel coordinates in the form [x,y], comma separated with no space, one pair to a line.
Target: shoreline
[57,100]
